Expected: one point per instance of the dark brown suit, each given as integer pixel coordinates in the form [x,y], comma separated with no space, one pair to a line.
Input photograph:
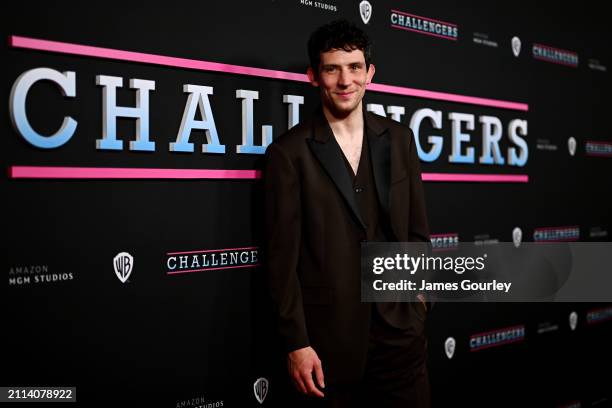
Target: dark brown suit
[314,232]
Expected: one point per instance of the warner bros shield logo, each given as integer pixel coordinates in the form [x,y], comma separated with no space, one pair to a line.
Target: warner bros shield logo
[517,236]
[260,388]
[573,320]
[123,264]
[571,146]
[449,347]
[365,11]
[516,46]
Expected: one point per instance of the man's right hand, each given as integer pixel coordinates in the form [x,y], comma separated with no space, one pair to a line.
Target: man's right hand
[301,363]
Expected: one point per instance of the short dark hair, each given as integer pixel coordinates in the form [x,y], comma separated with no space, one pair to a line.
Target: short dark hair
[339,34]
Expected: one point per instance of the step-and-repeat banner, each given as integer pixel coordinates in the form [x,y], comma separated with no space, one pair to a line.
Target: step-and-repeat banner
[133,141]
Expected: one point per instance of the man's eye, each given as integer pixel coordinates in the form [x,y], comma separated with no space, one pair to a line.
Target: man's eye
[355,67]
[330,69]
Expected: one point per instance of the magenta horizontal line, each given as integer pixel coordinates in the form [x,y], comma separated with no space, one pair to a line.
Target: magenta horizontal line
[45,172]
[477,178]
[556,228]
[443,96]
[424,18]
[114,54]
[445,249]
[210,250]
[605,154]
[211,269]
[599,309]
[424,32]
[50,172]
[500,330]
[544,241]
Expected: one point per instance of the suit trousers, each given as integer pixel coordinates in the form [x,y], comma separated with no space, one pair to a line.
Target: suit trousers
[395,374]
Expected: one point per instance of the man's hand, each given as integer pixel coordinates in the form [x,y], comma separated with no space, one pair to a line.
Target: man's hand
[301,363]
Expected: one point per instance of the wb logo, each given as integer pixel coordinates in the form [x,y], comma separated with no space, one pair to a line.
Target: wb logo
[123,264]
[260,388]
[449,347]
[365,10]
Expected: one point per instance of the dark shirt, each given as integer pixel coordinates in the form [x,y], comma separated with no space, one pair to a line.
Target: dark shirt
[364,189]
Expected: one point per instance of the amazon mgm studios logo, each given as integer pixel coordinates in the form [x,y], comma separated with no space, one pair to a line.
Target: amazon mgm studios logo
[123,263]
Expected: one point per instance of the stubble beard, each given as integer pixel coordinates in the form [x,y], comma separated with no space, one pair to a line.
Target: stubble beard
[343,111]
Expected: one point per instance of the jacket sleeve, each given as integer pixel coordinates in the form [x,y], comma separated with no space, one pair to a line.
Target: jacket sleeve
[419,227]
[283,218]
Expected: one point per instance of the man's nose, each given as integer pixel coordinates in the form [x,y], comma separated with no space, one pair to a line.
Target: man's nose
[344,79]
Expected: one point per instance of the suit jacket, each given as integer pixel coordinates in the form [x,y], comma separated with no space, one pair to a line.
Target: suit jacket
[314,233]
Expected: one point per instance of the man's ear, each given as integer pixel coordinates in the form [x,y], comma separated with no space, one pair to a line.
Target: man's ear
[312,77]
[371,70]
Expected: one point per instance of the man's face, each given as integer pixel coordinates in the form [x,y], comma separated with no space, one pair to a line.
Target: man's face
[342,78]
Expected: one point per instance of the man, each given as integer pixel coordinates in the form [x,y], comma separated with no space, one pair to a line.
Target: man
[344,177]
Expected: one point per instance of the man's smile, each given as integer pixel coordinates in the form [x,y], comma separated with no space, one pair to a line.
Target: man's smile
[345,94]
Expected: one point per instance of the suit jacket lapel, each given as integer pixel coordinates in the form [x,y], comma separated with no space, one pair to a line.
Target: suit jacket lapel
[324,146]
[380,157]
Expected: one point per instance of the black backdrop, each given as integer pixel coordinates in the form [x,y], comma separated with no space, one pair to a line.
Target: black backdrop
[203,338]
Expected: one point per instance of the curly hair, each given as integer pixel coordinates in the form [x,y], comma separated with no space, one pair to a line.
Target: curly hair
[339,34]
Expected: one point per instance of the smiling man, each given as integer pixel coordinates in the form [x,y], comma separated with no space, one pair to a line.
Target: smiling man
[344,177]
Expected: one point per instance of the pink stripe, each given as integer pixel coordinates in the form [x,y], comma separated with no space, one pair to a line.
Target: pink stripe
[599,309]
[442,96]
[424,18]
[448,234]
[211,269]
[556,228]
[424,32]
[109,53]
[479,178]
[46,172]
[210,250]
[605,154]
[445,249]
[503,329]
[42,172]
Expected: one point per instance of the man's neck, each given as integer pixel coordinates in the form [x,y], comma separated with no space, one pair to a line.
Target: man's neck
[348,127]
